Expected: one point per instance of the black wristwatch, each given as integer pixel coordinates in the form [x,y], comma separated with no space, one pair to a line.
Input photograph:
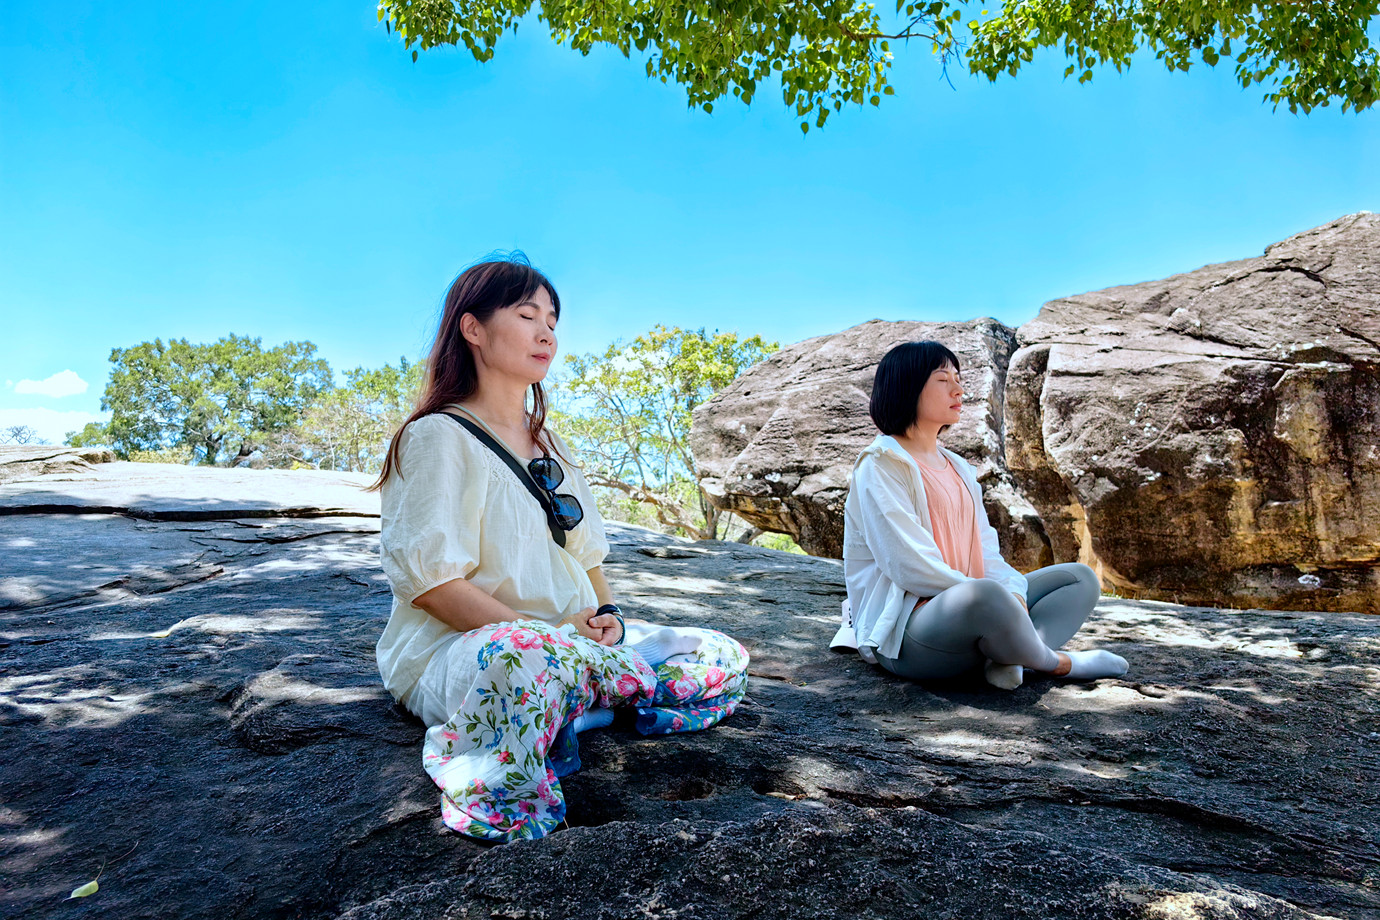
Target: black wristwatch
[622,625]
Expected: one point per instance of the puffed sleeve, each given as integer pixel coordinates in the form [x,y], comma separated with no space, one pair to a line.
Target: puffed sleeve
[905,551]
[993,565]
[587,542]
[433,506]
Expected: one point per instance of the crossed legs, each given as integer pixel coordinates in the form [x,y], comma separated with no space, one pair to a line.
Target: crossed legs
[969,624]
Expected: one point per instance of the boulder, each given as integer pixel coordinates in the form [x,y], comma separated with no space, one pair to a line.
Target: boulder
[777,445]
[1211,438]
[1214,438]
[26,460]
[190,707]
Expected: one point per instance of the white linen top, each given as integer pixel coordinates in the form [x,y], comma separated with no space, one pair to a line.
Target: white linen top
[890,558]
[452,509]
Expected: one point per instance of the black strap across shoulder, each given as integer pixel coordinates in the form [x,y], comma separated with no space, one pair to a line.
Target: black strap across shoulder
[487,440]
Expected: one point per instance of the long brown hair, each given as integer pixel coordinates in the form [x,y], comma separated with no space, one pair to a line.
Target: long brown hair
[482,289]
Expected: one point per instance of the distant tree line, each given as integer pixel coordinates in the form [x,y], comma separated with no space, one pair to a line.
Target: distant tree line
[234,402]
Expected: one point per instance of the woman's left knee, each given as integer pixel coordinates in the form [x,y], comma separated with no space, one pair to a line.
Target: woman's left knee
[1086,584]
[1075,573]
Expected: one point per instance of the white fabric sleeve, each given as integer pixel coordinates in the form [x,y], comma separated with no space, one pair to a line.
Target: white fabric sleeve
[993,565]
[905,551]
[588,542]
[433,508]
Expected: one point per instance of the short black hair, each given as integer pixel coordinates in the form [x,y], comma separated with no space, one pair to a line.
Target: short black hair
[901,375]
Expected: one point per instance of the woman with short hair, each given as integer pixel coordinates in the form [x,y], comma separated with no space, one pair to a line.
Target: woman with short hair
[929,595]
[504,637]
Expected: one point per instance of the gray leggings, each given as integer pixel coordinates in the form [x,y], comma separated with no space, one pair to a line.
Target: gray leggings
[965,625]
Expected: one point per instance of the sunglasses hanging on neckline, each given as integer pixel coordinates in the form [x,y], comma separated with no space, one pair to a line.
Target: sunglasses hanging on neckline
[548,476]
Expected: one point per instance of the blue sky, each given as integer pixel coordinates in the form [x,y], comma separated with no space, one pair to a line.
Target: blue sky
[286,171]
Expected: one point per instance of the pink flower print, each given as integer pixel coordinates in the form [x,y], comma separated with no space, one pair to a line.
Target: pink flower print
[522,700]
[505,756]
[677,723]
[526,638]
[628,685]
[448,735]
[527,808]
[500,633]
[714,677]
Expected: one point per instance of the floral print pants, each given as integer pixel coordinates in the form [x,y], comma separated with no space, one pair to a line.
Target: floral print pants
[491,758]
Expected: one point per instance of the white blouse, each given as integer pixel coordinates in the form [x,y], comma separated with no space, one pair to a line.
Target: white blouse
[452,509]
[890,558]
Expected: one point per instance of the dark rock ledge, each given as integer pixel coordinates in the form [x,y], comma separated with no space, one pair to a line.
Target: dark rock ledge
[205,689]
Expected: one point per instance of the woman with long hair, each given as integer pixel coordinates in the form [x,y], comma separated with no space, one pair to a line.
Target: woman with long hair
[504,637]
[929,595]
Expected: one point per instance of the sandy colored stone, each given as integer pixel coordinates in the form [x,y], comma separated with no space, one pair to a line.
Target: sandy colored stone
[1214,437]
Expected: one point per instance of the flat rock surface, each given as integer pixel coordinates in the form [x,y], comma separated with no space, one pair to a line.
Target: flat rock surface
[171,492]
[194,704]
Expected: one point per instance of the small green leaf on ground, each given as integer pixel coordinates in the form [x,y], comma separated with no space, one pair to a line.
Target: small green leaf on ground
[85,891]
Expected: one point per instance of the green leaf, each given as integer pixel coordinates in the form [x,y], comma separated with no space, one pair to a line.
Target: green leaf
[84,891]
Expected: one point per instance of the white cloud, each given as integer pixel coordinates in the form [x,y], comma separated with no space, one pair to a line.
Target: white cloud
[52,426]
[63,383]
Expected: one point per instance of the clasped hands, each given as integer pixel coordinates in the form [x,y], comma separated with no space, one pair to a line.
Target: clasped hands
[603,628]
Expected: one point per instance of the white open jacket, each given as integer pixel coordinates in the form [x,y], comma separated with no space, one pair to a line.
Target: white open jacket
[890,559]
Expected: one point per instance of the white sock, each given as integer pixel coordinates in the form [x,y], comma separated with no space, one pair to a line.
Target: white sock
[592,718]
[1005,676]
[1094,664]
[661,644]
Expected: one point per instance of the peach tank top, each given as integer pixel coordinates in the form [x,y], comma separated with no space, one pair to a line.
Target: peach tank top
[953,517]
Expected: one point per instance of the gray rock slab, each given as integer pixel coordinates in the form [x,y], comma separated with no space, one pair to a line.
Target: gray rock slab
[167,491]
[29,460]
[122,556]
[838,862]
[222,743]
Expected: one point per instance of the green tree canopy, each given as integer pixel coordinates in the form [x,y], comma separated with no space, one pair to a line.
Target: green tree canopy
[628,416]
[349,427]
[830,53]
[228,396]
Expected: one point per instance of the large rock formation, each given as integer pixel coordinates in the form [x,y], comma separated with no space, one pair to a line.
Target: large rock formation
[776,446]
[1210,438]
[1214,437]
[188,697]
